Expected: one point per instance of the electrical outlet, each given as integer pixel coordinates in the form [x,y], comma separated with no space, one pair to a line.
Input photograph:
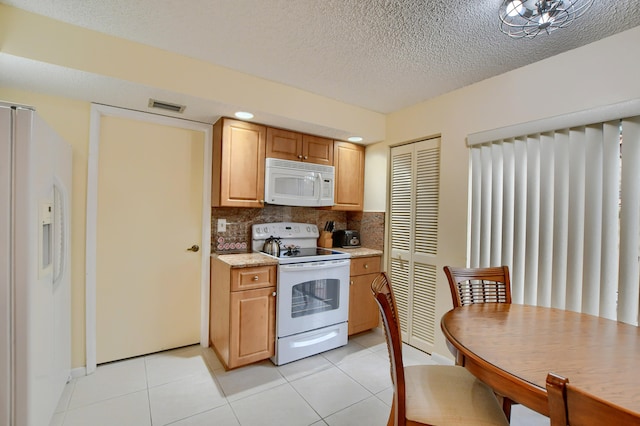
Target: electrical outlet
[222,225]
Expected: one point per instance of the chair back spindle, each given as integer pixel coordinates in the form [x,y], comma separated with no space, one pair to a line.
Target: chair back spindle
[479,285]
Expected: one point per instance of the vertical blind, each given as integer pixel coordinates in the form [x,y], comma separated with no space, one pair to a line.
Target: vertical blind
[561,208]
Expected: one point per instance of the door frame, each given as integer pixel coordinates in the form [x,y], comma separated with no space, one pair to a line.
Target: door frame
[97,112]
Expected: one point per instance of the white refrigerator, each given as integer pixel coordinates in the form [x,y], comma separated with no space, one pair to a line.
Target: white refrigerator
[35,304]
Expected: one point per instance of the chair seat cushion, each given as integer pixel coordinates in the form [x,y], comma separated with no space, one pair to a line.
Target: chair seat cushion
[449,395]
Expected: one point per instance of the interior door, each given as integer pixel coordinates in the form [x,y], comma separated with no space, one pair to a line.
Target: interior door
[413,218]
[149,213]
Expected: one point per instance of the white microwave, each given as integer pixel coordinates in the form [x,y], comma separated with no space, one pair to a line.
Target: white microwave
[295,183]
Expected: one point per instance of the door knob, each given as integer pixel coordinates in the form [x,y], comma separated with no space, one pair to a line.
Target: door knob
[194,248]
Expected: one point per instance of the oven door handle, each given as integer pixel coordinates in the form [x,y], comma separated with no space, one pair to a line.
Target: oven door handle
[315,341]
[314,265]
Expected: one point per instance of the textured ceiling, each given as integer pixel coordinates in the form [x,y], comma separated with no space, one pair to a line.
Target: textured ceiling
[382,55]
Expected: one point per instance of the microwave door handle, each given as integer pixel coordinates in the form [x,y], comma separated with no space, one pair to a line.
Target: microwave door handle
[319,186]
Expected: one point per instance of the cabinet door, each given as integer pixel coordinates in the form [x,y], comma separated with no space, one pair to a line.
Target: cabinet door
[284,144]
[363,310]
[238,164]
[253,326]
[317,150]
[349,178]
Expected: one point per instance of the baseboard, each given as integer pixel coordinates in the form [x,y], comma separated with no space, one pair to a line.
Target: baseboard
[78,372]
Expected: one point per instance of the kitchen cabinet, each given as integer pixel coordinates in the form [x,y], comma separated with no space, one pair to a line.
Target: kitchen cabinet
[349,177]
[242,313]
[363,310]
[238,164]
[295,146]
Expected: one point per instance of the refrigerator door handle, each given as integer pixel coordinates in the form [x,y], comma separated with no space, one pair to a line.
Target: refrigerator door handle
[60,223]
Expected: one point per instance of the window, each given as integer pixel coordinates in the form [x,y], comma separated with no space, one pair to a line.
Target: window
[562,209]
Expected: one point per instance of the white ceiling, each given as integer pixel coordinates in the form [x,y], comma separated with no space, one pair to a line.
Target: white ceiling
[381,55]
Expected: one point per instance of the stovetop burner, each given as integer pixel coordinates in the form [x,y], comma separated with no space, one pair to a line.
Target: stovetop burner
[297,242]
[290,251]
[307,252]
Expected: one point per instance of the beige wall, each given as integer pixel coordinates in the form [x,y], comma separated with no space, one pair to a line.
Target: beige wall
[37,38]
[70,119]
[599,74]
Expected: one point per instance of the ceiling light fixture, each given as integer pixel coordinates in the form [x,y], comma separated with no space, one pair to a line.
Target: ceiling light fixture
[528,18]
[354,139]
[243,115]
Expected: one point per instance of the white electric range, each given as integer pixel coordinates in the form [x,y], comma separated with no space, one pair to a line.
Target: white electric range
[312,301]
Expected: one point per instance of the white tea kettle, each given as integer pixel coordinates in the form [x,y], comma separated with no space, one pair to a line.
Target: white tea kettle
[272,246]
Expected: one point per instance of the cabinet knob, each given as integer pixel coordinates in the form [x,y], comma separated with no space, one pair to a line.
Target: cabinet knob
[255,278]
[366,266]
[306,156]
[300,156]
[351,282]
[274,294]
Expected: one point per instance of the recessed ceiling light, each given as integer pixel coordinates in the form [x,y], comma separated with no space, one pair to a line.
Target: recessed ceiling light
[244,115]
[355,139]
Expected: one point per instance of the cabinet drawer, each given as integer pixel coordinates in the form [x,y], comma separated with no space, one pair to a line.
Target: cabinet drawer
[250,278]
[365,265]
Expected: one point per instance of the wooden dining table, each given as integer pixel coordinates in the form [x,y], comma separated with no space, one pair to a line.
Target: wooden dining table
[512,347]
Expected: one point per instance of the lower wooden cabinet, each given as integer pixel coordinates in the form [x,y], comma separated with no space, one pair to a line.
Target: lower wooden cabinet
[242,313]
[252,326]
[363,310]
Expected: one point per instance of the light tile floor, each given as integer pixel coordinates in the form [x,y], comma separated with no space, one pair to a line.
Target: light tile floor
[188,386]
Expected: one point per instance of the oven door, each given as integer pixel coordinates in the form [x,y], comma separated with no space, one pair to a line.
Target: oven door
[312,295]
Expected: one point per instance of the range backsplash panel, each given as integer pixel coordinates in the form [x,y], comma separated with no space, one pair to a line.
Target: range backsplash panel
[237,237]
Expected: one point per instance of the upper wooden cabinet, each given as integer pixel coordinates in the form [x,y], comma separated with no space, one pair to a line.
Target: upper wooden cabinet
[238,164]
[294,146]
[317,150]
[349,178]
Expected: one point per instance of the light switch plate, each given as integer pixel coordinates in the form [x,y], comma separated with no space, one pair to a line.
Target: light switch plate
[222,225]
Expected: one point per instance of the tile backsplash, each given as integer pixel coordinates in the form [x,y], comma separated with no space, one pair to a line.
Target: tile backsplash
[237,237]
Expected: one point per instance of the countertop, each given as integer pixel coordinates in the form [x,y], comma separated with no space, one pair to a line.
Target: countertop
[244,260]
[360,251]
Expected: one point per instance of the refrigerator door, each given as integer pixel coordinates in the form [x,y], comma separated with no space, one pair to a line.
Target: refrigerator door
[62,181]
[5,263]
[39,306]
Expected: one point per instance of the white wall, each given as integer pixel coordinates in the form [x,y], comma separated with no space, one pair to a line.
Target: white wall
[598,74]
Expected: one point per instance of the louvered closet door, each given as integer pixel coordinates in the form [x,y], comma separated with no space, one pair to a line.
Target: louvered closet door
[413,211]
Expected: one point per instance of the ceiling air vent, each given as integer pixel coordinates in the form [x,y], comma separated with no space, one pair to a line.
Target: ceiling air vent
[153,103]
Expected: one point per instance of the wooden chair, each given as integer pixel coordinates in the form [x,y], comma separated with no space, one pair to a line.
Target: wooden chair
[479,285]
[431,394]
[569,405]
